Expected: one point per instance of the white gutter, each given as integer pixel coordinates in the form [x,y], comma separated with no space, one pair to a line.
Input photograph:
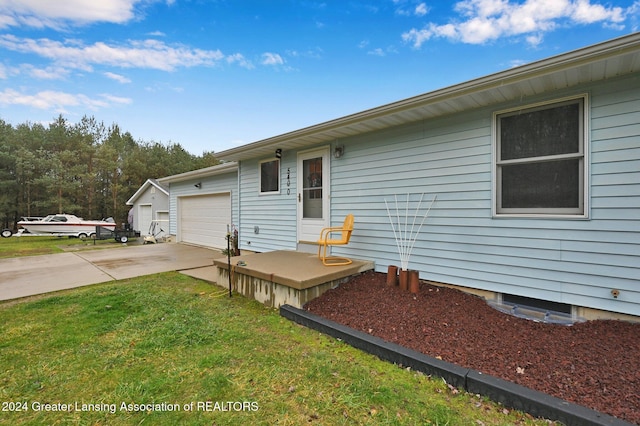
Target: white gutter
[200,173]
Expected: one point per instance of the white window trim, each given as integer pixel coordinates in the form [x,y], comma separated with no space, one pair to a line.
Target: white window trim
[585,175]
[260,163]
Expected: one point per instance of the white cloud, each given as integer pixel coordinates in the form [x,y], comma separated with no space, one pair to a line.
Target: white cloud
[534,39]
[310,53]
[421,9]
[48,73]
[150,54]
[272,59]
[57,14]
[516,63]
[238,58]
[117,99]
[6,20]
[382,52]
[487,20]
[117,77]
[587,13]
[411,8]
[58,101]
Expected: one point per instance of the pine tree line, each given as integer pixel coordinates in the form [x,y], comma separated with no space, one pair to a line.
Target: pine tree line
[86,169]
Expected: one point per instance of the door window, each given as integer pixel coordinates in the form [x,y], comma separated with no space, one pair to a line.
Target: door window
[312,188]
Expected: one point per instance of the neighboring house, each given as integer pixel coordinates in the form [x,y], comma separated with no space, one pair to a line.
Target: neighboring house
[150,203]
[536,171]
[203,204]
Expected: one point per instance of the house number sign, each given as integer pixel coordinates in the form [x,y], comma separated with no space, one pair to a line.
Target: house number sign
[288,180]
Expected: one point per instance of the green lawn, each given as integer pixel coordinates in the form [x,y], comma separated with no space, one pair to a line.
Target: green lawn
[202,358]
[33,246]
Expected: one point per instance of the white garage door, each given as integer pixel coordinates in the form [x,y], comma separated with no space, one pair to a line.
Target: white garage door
[144,221]
[203,219]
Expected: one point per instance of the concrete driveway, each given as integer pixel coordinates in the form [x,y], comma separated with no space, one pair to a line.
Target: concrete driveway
[27,276]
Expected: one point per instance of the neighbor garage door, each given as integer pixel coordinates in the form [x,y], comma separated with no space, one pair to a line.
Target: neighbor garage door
[203,219]
[144,219]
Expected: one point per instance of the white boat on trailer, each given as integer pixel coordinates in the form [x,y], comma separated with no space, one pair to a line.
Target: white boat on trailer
[66,225]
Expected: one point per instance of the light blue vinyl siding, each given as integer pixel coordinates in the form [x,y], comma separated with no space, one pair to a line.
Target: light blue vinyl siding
[573,261]
[563,260]
[273,214]
[223,183]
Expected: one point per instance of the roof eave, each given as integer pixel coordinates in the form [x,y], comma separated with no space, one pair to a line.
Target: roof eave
[346,124]
[201,173]
[143,188]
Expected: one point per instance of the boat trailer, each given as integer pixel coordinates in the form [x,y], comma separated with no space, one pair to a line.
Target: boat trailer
[121,235]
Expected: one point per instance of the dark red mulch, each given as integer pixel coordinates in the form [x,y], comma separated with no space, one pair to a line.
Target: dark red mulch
[595,364]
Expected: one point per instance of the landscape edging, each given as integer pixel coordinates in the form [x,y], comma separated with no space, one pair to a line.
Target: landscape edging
[509,394]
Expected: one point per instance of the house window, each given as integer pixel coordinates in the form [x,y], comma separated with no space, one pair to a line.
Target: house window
[540,160]
[270,176]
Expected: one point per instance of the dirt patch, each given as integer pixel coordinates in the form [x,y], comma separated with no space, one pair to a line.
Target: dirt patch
[91,246]
[594,364]
[27,252]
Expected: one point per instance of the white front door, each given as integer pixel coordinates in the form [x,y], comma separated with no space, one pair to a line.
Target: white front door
[313,194]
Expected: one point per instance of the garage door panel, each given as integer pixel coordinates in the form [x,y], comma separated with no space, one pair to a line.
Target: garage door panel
[144,222]
[203,219]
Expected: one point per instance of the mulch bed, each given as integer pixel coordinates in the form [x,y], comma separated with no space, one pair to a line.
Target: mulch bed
[595,364]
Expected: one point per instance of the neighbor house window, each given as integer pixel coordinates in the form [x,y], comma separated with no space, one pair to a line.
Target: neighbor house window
[270,176]
[540,160]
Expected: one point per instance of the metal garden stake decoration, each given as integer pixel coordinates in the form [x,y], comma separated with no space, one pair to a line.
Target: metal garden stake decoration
[405,232]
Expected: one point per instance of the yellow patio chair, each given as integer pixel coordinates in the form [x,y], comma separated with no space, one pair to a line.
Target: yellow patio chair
[325,241]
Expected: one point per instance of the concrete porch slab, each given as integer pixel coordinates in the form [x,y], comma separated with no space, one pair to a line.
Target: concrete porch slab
[284,276]
[294,269]
[206,273]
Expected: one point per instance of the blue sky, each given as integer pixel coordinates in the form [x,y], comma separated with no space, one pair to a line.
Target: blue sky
[214,74]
